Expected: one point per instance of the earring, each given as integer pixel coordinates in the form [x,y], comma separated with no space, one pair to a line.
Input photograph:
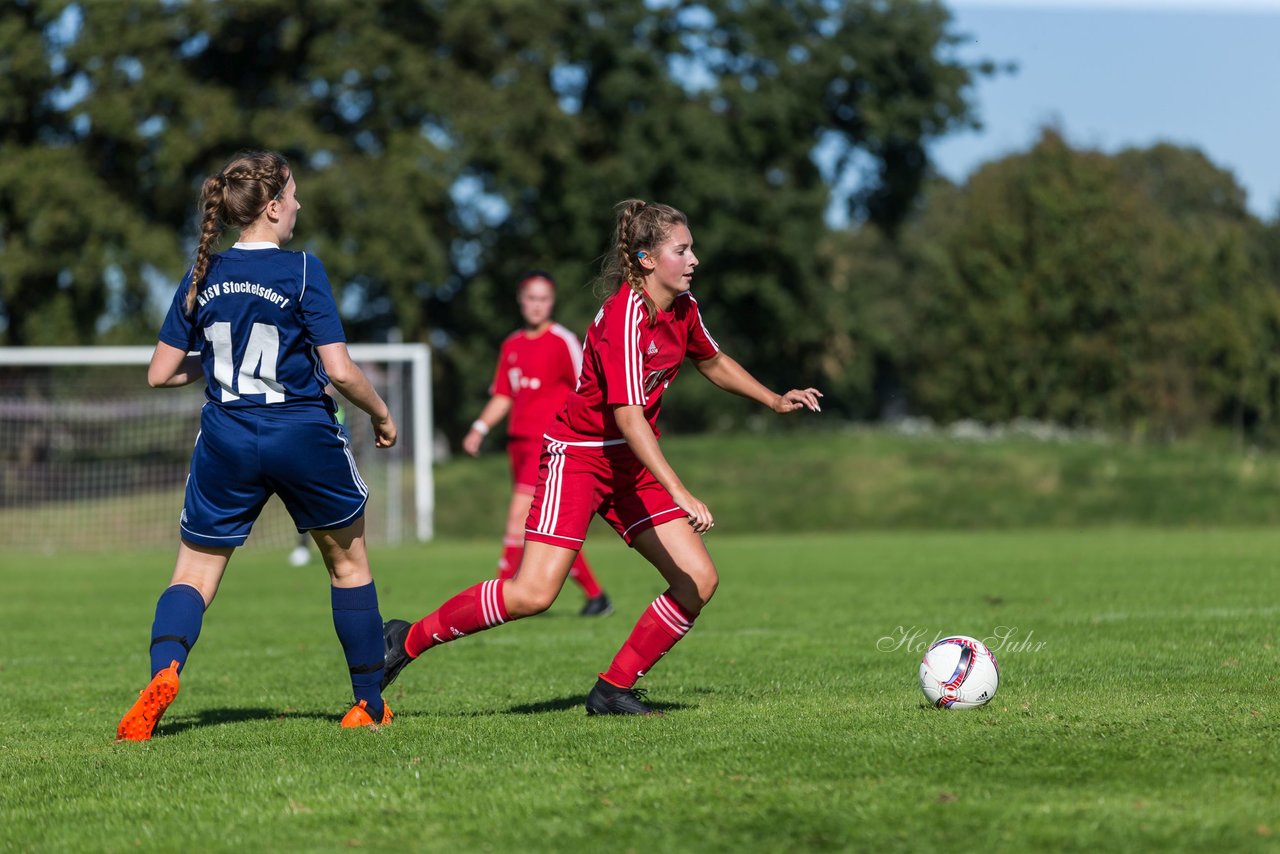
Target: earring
[641,255]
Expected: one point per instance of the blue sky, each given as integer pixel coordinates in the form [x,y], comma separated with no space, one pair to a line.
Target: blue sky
[1117,73]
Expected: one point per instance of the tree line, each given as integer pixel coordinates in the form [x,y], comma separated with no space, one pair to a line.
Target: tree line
[1130,291]
[442,148]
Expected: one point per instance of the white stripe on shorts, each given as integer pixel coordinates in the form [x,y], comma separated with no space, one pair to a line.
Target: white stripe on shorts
[549,513]
[596,443]
[654,516]
[351,462]
[558,460]
[576,541]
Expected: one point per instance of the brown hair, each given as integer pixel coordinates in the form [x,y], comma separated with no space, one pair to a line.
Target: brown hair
[641,227]
[235,197]
[533,276]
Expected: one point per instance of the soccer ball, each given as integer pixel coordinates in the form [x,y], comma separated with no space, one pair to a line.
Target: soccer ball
[959,672]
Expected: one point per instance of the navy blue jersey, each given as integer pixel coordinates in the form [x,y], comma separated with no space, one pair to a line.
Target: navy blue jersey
[259,316]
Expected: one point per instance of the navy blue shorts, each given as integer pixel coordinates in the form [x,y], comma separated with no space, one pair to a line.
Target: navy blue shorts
[241,460]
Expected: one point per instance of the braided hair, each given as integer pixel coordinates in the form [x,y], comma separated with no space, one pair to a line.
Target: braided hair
[641,227]
[236,197]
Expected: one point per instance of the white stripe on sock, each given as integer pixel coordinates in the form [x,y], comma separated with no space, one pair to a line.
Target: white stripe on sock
[669,615]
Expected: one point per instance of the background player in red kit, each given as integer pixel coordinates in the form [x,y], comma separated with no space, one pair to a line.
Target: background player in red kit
[537,369]
[602,456]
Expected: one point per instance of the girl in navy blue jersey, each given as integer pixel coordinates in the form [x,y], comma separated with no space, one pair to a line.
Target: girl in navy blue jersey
[268,338]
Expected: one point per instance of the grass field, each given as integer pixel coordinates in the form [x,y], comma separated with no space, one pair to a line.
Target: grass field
[1138,708]
[838,479]
[876,479]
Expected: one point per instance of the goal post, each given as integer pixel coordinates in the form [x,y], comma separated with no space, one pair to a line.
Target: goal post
[92,458]
[418,357]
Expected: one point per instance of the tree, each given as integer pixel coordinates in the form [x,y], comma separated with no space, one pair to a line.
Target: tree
[442,147]
[731,140]
[72,249]
[1087,289]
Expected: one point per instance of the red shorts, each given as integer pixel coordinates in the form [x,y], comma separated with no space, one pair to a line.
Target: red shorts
[576,482]
[524,454]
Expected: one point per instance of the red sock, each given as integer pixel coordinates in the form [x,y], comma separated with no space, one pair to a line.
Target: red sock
[510,561]
[659,627]
[473,610]
[581,573]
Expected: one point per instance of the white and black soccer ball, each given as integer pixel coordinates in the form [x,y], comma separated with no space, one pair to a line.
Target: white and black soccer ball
[959,672]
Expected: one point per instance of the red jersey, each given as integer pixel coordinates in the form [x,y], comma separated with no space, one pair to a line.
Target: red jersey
[629,362]
[537,373]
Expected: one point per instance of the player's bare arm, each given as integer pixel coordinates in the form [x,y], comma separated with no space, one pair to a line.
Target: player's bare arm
[639,435]
[347,378]
[498,407]
[725,372]
[171,367]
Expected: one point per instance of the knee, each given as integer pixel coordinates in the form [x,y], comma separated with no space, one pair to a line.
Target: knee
[705,587]
[526,600]
[694,594]
[347,572]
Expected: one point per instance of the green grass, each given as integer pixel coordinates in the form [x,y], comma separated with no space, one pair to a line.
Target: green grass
[823,480]
[875,479]
[1137,711]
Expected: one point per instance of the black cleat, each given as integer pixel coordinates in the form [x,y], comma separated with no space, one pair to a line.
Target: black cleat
[395,658]
[597,606]
[607,699]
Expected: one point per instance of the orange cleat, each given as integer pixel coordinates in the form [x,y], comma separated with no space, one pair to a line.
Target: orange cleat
[140,721]
[358,717]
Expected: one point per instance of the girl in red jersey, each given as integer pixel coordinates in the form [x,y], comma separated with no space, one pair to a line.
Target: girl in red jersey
[537,369]
[602,456]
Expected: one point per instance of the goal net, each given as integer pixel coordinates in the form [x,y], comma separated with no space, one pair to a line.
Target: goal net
[91,458]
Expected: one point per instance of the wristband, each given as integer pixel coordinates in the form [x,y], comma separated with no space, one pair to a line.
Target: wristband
[480,427]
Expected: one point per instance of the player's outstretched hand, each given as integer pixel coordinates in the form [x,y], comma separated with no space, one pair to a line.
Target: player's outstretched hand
[472,441]
[798,398]
[384,431]
[700,518]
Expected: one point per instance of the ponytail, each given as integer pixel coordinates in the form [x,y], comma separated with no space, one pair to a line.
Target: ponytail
[236,196]
[212,200]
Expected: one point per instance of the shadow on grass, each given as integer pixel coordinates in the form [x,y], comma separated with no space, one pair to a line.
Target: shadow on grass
[216,717]
[559,704]
[563,704]
[566,614]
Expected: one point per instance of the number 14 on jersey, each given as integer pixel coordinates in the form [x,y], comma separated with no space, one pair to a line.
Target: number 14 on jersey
[257,371]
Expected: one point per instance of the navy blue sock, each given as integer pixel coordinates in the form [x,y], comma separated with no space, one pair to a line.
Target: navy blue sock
[179,613]
[359,627]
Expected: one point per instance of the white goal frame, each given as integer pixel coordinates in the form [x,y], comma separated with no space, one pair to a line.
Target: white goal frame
[418,357]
